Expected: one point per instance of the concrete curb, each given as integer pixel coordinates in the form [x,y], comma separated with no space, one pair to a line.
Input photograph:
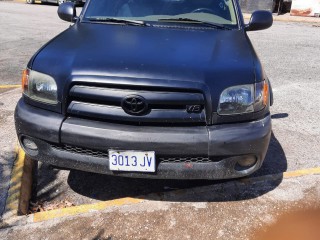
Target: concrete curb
[20,189]
[26,186]
[70,211]
[12,201]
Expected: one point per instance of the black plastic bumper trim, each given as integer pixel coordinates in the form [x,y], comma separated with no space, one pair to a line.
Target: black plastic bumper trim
[38,123]
[223,141]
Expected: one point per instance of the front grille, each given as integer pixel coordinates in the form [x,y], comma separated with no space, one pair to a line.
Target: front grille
[79,150]
[162,107]
[162,159]
[185,160]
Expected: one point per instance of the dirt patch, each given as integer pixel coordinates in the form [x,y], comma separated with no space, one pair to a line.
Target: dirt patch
[46,206]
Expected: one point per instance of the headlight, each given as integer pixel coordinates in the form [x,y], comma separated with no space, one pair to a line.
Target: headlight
[243,99]
[39,87]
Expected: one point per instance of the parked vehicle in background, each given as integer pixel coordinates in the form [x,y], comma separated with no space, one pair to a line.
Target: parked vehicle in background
[59,2]
[249,6]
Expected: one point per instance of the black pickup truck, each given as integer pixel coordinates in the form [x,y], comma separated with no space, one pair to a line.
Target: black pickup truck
[153,89]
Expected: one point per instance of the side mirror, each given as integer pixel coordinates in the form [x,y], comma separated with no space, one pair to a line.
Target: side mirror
[67,12]
[260,20]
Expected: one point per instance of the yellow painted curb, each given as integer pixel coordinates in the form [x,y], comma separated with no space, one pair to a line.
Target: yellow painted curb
[302,172]
[12,203]
[285,175]
[57,213]
[9,86]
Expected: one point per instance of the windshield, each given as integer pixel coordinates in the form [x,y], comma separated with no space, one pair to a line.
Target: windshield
[220,12]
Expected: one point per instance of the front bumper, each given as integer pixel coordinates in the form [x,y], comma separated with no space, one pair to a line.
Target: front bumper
[224,144]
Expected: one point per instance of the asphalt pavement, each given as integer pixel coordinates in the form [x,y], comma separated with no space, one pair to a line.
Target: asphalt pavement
[8,141]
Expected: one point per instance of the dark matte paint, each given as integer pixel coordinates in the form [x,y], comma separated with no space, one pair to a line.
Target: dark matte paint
[158,58]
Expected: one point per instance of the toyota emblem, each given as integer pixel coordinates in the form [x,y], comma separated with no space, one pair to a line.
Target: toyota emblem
[134,105]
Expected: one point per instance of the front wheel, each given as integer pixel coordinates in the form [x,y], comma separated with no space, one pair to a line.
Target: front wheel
[30,1]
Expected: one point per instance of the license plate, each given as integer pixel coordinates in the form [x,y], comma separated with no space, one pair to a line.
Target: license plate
[132,161]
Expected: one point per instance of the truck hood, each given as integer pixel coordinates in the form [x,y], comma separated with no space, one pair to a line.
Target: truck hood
[210,57]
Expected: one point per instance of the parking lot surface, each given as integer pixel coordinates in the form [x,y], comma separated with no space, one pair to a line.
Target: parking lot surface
[290,52]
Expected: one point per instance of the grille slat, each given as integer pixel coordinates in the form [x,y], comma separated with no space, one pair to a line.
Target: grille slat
[79,150]
[117,113]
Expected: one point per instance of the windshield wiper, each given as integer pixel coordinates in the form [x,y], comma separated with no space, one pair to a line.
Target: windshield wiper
[195,21]
[117,20]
